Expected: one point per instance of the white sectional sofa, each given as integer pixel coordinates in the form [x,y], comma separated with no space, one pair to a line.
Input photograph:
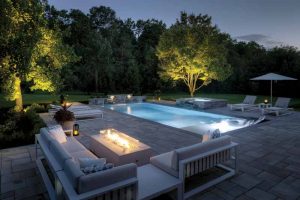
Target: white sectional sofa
[166,172]
[61,159]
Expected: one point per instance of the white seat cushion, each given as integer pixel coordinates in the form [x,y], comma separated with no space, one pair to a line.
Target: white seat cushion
[72,145]
[57,133]
[82,154]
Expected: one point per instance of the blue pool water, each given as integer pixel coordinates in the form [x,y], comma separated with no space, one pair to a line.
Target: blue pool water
[194,121]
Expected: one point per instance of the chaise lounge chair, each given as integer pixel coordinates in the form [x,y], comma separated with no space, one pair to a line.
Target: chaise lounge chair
[80,111]
[88,113]
[247,104]
[281,107]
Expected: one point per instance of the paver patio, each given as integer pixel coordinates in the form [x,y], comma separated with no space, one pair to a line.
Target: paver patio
[269,156]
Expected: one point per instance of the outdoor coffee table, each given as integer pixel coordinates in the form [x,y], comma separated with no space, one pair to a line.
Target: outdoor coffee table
[128,150]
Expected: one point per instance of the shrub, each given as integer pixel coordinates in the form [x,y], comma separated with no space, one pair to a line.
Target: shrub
[63,115]
[19,128]
[39,108]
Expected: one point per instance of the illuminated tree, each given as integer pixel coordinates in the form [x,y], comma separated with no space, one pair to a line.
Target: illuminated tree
[29,51]
[193,50]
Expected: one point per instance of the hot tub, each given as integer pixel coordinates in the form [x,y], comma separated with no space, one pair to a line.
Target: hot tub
[201,103]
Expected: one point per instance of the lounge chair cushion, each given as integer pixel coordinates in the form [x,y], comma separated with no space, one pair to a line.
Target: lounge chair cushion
[242,105]
[73,172]
[164,162]
[282,102]
[88,113]
[72,145]
[58,133]
[107,177]
[275,109]
[59,153]
[249,99]
[196,149]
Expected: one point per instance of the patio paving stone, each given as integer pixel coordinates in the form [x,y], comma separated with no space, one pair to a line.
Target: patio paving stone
[285,191]
[246,180]
[260,194]
[269,156]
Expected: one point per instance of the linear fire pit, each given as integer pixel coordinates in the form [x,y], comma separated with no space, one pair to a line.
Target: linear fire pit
[119,148]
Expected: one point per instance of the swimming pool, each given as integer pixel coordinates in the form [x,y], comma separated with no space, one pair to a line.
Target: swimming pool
[194,121]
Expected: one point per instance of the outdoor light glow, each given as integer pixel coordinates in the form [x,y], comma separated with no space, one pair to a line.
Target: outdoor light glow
[266,101]
[223,126]
[129,96]
[228,125]
[128,110]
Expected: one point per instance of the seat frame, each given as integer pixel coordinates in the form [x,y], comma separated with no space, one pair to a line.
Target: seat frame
[209,155]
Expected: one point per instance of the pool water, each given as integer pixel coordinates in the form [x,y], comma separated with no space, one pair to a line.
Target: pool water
[194,121]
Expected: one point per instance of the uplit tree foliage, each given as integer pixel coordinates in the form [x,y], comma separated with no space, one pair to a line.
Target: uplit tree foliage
[194,51]
[30,51]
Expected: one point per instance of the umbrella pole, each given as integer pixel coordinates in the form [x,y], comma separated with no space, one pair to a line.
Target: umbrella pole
[271,93]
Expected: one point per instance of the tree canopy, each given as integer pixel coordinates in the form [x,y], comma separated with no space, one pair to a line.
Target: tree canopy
[30,51]
[193,50]
[42,48]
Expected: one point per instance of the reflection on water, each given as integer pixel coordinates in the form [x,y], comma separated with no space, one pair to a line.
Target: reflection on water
[194,121]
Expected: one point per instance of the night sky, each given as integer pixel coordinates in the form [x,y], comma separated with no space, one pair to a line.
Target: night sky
[268,22]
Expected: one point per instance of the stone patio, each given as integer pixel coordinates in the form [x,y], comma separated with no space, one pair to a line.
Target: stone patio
[269,156]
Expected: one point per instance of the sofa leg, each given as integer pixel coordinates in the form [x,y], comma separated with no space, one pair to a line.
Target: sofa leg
[180,192]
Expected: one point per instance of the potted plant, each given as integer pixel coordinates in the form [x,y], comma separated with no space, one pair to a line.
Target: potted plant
[65,117]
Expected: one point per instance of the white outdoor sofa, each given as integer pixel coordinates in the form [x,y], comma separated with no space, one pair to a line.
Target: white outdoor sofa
[192,160]
[281,107]
[71,182]
[247,104]
[165,173]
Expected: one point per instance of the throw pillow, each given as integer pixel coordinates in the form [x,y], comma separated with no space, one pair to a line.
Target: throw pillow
[58,133]
[216,134]
[91,162]
[108,166]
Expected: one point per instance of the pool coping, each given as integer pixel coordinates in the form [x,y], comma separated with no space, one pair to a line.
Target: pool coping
[186,131]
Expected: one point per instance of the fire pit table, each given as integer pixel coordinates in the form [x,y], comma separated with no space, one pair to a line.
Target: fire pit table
[119,148]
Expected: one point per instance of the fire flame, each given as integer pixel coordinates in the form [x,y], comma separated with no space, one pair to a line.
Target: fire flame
[115,138]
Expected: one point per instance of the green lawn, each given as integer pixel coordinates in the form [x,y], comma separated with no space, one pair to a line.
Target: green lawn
[43,98]
[49,98]
[232,98]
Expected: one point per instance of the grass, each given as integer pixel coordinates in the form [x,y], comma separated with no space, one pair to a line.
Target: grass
[82,97]
[43,98]
[232,98]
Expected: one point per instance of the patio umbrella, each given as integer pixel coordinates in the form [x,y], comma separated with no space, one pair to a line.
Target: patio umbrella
[272,77]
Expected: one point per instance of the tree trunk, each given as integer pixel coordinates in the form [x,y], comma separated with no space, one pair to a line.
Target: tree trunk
[96,80]
[191,89]
[192,93]
[18,95]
